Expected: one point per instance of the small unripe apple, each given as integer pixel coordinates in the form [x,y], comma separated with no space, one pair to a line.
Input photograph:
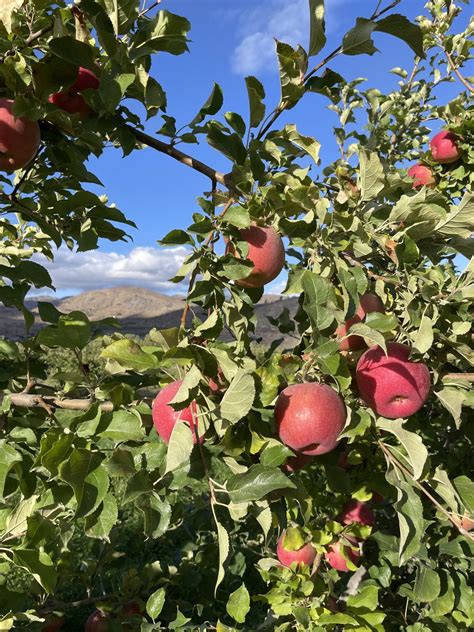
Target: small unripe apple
[295,463]
[70,100]
[444,147]
[335,557]
[369,303]
[467,523]
[357,511]
[422,176]
[304,555]
[265,251]
[165,417]
[309,418]
[97,622]
[392,385]
[19,138]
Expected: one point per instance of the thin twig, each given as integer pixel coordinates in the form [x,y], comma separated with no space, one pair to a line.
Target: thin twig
[25,174]
[468,377]
[180,156]
[371,274]
[455,68]
[283,105]
[395,462]
[31,400]
[152,6]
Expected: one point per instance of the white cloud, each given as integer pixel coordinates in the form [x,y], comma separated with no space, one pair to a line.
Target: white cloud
[285,20]
[143,266]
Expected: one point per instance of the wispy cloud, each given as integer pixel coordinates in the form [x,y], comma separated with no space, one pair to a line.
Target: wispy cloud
[143,266]
[286,20]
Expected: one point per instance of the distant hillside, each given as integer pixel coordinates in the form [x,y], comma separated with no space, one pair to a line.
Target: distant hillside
[137,309]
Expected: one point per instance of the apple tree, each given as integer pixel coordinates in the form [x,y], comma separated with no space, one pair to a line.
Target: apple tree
[198,479]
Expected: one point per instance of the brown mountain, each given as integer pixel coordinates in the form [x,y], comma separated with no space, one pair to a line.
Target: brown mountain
[137,309]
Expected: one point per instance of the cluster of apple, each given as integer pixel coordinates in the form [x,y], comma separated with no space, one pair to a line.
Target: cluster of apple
[347,547]
[444,150]
[20,137]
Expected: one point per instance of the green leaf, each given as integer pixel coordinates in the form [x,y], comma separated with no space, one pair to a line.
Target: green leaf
[367,598]
[413,443]
[72,331]
[293,66]
[368,334]
[317,36]
[212,105]
[8,457]
[179,448]
[122,425]
[130,355]
[100,523]
[452,399]
[236,122]
[73,51]
[460,221]
[465,488]
[237,216]
[223,543]
[274,455]
[39,564]
[177,237]
[238,604]
[155,603]
[256,483]
[358,40]
[318,296]
[423,340]
[372,177]
[84,472]
[211,327]
[165,32]
[401,27]
[238,398]
[427,585]
[17,522]
[308,144]
[256,95]
[410,517]
[7,8]
[228,144]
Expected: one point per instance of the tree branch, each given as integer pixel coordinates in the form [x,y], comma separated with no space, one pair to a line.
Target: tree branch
[180,156]
[353,262]
[30,400]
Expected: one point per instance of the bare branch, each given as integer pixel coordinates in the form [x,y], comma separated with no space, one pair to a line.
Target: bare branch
[180,156]
[31,400]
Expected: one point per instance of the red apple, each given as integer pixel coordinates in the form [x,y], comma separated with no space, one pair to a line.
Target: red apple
[422,176]
[295,463]
[368,303]
[19,138]
[265,251]
[392,385]
[309,418]
[131,609]
[342,461]
[97,622]
[444,147]
[467,523]
[70,100]
[165,417]
[304,555]
[335,558]
[357,511]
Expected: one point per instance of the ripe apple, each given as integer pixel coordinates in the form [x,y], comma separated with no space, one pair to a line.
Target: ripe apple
[54,624]
[70,100]
[309,418]
[165,417]
[295,463]
[422,176]
[265,251]
[97,622]
[444,147]
[368,303]
[357,511]
[335,557]
[342,461]
[130,609]
[19,138]
[304,555]
[392,385]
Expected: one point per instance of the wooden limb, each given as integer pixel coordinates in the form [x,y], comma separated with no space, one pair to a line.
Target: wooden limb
[468,377]
[171,150]
[50,402]
[455,68]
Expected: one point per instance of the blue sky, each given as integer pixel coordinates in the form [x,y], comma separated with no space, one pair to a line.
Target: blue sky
[229,40]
